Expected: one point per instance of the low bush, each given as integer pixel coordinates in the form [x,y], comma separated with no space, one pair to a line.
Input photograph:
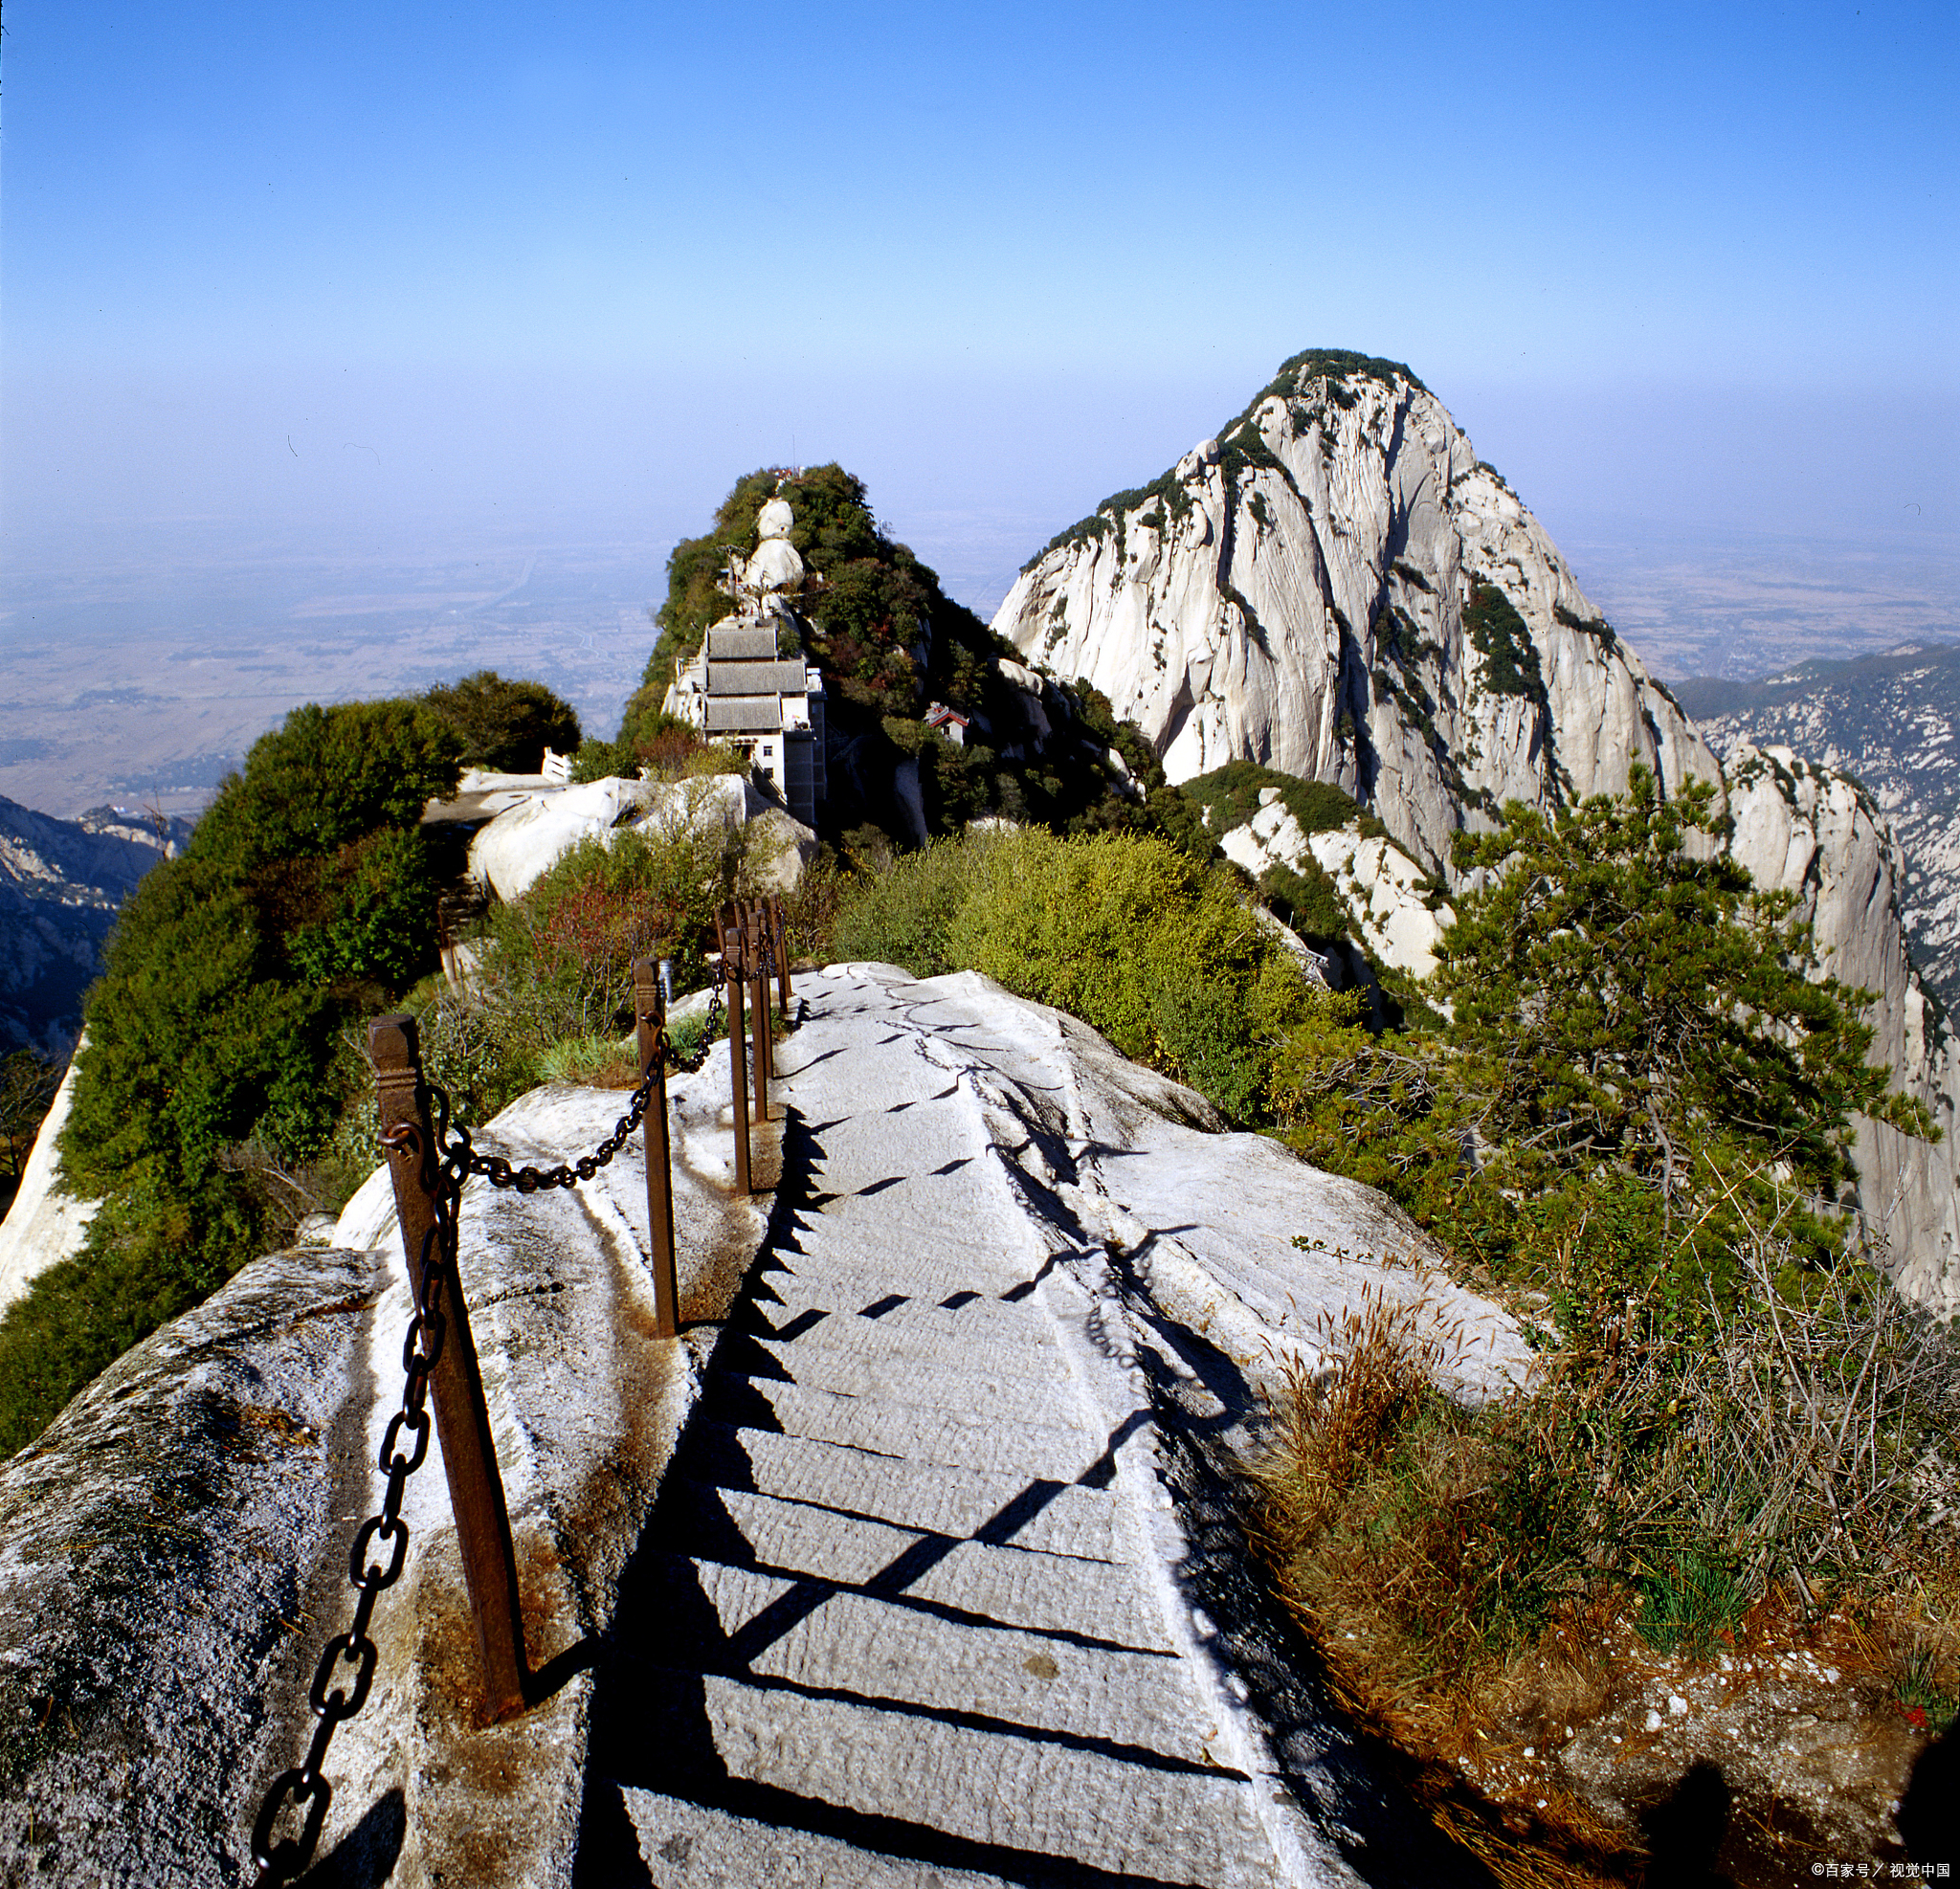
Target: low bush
[1163,954]
[1805,1447]
[505,726]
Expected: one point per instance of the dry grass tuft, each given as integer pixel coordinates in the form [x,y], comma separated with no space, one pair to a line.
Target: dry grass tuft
[1479,1583]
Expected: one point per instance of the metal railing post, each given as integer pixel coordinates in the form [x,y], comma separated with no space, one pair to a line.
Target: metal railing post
[456,1384]
[779,932]
[738,1068]
[650,1014]
[759,1006]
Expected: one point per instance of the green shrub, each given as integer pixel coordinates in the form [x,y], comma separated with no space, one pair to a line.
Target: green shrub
[215,1069]
[328,776]
[1230,797]
[556,966]
[904,915]
[1510,657]
[505,726]
[1159,952]
[28,1081]
[147,1257]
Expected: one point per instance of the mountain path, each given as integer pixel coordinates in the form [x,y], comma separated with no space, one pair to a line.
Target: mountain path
[905,1613]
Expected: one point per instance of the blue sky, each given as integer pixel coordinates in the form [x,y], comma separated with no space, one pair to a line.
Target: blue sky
[352,270]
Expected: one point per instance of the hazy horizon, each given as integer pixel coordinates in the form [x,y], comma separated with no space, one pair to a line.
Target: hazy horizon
[318,331]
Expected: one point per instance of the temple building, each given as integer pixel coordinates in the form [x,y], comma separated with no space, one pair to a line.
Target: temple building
[741,689]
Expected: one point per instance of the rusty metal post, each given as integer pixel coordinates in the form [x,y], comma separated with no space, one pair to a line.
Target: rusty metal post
[779,932]
[738,1069]
[650,1014]
[456,1386]
[759,1006]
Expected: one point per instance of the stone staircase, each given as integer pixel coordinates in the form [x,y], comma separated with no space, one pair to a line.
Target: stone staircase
[900,1617]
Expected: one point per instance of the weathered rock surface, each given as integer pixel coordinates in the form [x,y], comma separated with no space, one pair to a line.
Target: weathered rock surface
[153,1543]
[45,1224]
[174,1549]
[1388,896]
[61,883]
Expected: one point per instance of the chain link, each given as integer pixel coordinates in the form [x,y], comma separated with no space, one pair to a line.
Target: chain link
[711,1031]
[335,1694]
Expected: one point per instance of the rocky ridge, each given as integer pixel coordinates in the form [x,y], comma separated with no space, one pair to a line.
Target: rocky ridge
[1891,721]
[940,1578]
[61,883]
[1337,588]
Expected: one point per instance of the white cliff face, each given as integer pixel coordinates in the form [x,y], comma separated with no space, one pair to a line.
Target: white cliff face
[45,1224]
[1804,829]
[1338,588]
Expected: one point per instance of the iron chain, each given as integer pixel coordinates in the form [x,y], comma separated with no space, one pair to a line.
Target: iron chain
[711,1030]
[335,1694]
[460,1155]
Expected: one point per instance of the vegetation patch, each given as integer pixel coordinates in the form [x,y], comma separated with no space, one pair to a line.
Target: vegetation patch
[1158,951]
[1595,627]
[505,726]
[1501,636]
[1299,372]
[28,1081]
[219,1054]
[1230,797]
[1635,1126]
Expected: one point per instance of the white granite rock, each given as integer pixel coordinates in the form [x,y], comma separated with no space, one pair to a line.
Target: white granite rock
[45,1224]
[774,566]
[1387,894]
[173,1550]
[526,839]
[1294,594]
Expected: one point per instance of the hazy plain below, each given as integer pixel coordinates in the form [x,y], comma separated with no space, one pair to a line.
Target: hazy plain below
[137,666]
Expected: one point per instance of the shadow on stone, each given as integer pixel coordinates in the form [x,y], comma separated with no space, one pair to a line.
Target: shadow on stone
[555,1671]
[366,1856]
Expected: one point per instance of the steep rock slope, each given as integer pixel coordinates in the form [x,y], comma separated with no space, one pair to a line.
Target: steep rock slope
[61,883]
[1010,1288]
[1810,831]
[1338,588]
